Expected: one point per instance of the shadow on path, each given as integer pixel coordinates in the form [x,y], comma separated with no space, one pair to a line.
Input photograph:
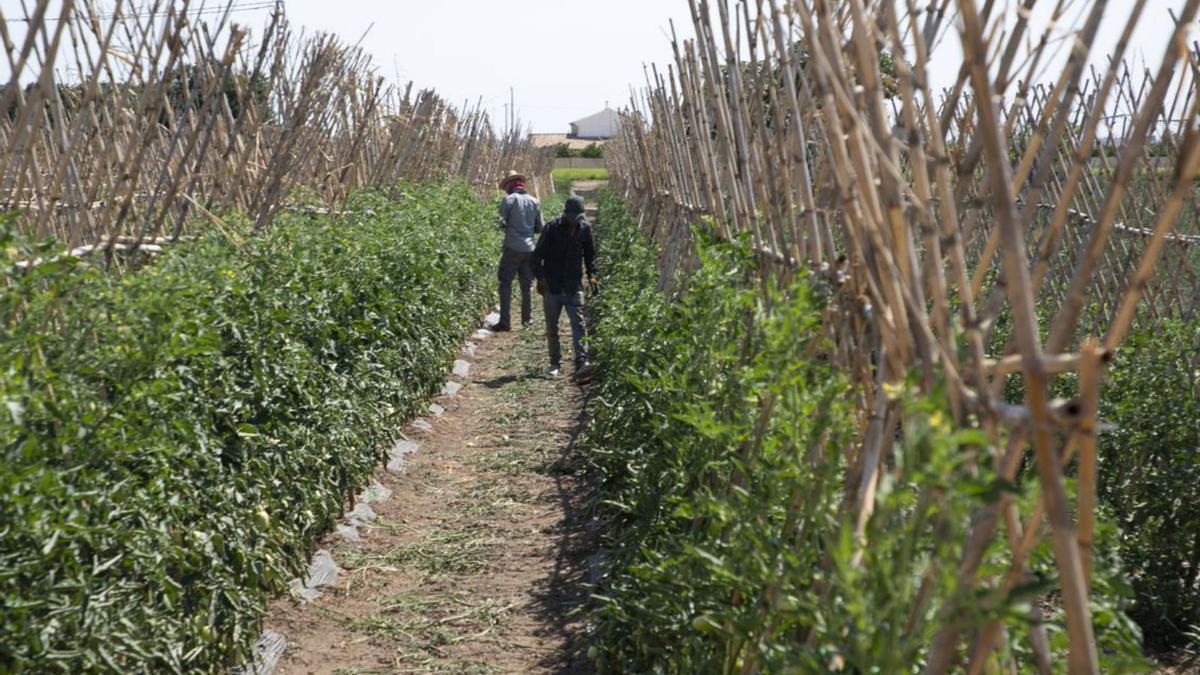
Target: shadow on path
[558,420]
[562,601]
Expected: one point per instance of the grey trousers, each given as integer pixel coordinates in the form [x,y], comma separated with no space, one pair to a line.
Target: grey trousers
[553,305]
[515,264]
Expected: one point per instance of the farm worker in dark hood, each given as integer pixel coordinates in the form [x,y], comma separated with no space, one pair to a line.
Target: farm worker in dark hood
[520,218]
[564,250]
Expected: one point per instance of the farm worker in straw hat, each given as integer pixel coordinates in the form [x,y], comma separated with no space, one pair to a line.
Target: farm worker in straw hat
[520,218]
[563,251]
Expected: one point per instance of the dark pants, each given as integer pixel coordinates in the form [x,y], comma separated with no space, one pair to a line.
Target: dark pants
[515,264]
[553,305]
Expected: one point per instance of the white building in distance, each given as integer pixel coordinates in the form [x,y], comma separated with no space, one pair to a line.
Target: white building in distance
[601,125]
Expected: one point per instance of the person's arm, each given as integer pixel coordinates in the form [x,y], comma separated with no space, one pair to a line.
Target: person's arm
[537,259]
[589,252]
[589,259]
[538,225]
[502,212]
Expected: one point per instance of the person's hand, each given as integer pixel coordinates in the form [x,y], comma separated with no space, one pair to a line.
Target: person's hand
[593,286]
[541,290]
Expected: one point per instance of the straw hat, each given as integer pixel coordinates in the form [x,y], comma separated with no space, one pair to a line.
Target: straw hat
[512,175]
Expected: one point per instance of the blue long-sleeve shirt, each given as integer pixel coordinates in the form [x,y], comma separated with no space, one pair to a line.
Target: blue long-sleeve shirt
[521,218]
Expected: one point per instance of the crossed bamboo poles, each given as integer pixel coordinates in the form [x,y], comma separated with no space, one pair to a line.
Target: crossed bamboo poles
[780,120]
[148,122]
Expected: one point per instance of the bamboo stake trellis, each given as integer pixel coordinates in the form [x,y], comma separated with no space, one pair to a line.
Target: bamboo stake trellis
[1048,202]
[173,116]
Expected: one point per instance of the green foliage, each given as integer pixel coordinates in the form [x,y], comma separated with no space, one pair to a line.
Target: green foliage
[185,90]
[1149,471]
[552,205]
[590,151]
[887,72]
[581,174]
[799,56]
[719,450]
[176,440]
[563,178]
[1150,475]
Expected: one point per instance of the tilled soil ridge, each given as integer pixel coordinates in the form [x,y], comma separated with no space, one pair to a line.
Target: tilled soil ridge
[477,562]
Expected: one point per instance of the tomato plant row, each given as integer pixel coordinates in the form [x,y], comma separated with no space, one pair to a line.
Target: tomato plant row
[719,443]
[175,440]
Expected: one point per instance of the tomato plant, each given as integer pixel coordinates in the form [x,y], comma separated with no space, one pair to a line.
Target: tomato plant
[719,441]
[175,440]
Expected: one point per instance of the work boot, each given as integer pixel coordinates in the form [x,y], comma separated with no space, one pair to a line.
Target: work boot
[583,372]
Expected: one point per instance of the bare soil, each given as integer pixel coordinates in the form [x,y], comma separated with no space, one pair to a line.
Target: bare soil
[478,562]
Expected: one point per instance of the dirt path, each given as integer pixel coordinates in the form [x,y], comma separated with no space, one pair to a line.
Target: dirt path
[476,563]
[588,189]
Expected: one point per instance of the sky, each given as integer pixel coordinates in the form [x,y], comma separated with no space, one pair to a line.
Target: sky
[560,60]
[565,59]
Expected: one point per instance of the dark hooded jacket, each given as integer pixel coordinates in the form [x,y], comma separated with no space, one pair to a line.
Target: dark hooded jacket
[562,252]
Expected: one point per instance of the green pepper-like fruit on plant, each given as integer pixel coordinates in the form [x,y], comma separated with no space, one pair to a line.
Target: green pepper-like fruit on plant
[262,519]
